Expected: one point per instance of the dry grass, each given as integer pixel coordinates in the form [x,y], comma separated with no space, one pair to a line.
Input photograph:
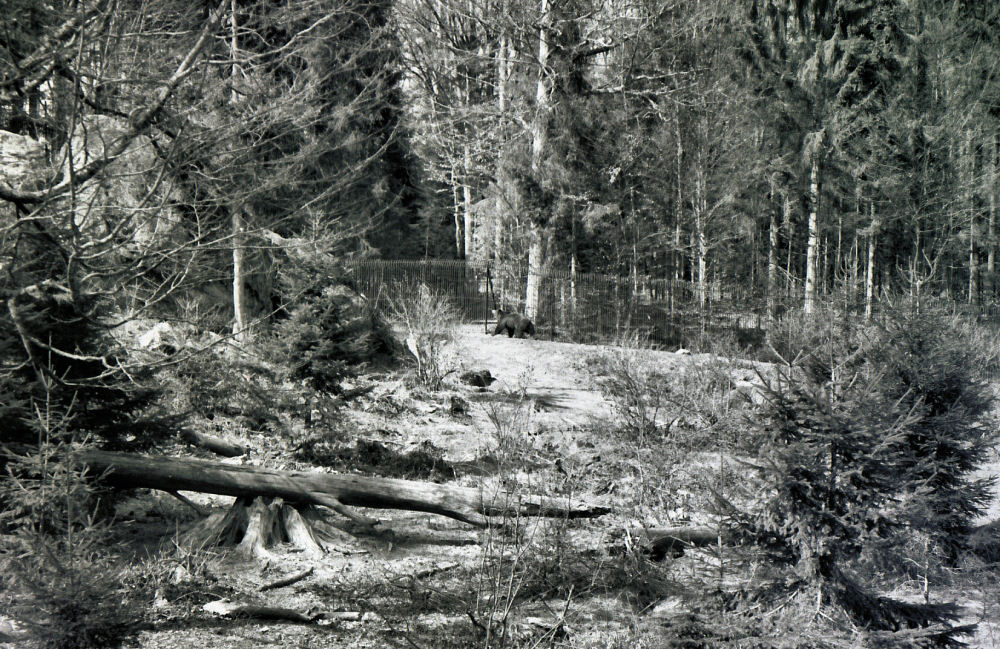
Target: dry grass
[545,427]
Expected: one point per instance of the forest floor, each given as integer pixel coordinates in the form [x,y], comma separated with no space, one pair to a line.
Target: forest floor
[425,581]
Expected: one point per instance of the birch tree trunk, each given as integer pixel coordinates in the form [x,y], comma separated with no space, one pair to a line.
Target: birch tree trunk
[503,69]
[992,218]
[456,209]
[790,228]
[536,252]
[812,248]
[870,270]
[701,246]
[772,266]
[973,259]
[240,320]
[469,247]
[239,227]
[970,154]
[539,145]
[678,210]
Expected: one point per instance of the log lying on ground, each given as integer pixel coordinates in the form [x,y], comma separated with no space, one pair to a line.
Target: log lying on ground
[663,541]
[226,608]
[217,445]
[335,491]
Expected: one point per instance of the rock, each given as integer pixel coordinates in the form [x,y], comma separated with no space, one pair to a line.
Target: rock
[458,406]
[131,187]
[22,160]
[477,378]
[669,608]
[154,337]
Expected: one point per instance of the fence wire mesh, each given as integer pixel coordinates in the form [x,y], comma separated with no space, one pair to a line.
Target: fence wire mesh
[581,307]
[591,308]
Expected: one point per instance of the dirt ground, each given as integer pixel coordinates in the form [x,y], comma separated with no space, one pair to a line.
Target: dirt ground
[428,581]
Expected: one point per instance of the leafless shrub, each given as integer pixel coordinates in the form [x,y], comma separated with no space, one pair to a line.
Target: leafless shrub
[428,320]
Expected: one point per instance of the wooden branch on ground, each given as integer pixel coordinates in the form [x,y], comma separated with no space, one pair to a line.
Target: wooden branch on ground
[232,609]
[673,540]
[187,501]
[287,581]
[217,445]
[467,504]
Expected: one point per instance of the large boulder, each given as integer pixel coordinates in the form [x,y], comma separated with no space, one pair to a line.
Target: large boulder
[131,188]
[22,160]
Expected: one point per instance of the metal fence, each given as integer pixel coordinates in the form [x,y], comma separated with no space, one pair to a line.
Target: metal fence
[586,307]
[581,307]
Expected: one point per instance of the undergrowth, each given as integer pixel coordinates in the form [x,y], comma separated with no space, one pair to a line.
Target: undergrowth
[64,585]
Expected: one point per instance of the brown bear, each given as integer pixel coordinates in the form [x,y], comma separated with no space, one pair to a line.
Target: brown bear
[514,324]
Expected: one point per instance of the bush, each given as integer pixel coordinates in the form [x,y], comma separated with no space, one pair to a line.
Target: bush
[929,363]
[428,319]
[870,437]
[65,586]
[637,390]
[330,334]
[73,363]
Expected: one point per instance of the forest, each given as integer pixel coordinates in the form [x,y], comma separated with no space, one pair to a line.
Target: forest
[200,403]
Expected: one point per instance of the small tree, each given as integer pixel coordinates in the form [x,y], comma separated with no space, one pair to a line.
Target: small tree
[850,445]
[428,320]
[330,331]
[930,364]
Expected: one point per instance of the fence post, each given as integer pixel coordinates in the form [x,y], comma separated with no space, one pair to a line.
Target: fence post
[486,301]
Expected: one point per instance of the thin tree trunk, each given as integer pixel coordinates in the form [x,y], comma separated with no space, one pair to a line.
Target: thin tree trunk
[240,321]
[992,219]
[870,271]
[840,244]
[701,246]
[539,147]
[679,202]
[790,227]
[456,208]
[973,259]
[469,246]
[772,266]
[337,491]
[536,253]
[239,227]
[812,247]
[970,154]
[504,192]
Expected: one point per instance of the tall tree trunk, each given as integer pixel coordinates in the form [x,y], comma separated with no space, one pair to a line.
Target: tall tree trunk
[870,271]
[812,248]
[970,153]
[504,192]
[790,228]
[536,255]
[678,210]
[539,146]
[772,265]
[992,218]
[240,320]
[469,246]
[973,259]
[456,209]
[840,244]
[701,246]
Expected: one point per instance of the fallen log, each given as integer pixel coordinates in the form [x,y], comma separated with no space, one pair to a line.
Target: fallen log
[217,445]
[288,581]
[335,491]
[674,540]
[226,608]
